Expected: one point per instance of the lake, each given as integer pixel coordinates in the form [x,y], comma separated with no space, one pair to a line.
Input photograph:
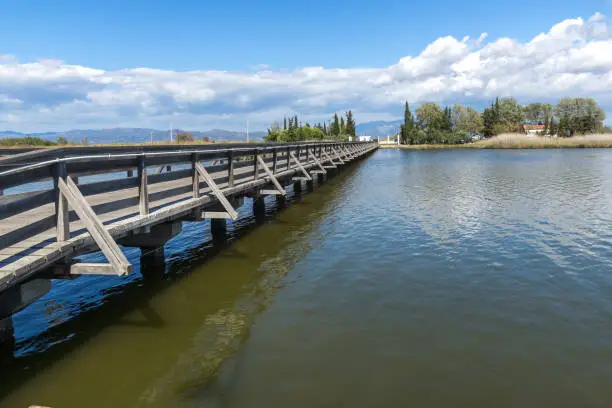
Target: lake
[452,278]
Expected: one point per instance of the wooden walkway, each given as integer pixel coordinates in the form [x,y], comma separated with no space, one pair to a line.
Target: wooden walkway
[58,209]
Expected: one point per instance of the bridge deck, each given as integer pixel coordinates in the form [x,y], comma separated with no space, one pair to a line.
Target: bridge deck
[28,236]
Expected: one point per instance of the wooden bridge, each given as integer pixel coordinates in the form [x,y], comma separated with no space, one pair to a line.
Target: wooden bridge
[55,210]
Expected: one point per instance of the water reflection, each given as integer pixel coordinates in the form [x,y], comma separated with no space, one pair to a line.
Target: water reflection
[185,310]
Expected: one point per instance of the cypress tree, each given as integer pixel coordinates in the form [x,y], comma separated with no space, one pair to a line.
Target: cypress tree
[285,123]
[351,129]
[407,129]
[335,126]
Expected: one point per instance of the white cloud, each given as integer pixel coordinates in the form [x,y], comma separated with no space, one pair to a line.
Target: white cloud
[573,58]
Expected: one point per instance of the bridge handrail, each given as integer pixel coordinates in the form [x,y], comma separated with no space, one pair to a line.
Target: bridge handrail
[204,152]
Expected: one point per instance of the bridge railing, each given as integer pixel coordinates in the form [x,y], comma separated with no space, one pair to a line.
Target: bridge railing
[122,186]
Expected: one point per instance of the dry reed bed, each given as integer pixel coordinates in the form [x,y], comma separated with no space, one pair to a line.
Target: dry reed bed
[522,141]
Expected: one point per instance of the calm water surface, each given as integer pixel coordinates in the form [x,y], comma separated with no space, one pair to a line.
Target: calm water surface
[425,279]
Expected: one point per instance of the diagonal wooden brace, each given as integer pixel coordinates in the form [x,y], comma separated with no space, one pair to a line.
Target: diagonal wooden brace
[317,162]
[329,159]
[350,155]
[301,167]
[105,241]
[337,155]
[273,179]
[233,214]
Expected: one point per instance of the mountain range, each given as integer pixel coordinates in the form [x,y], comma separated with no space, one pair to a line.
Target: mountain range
[132,135]
[140,135]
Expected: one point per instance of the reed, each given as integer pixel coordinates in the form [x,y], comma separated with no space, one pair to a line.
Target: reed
[522,141]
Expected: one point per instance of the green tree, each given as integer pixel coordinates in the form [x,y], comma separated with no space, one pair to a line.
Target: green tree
[350,128]
[537,113]
[581,115]
[407,130]
[511,114]
[466,120]
[335,126]
[62,140]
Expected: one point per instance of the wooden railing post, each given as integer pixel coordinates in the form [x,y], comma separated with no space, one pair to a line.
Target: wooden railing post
[274,160]
[62,220]
[230,168]
[256,164]
[195,176]
[288,158]
[143,186]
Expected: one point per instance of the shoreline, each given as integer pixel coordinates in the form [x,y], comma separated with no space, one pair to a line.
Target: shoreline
[518,141]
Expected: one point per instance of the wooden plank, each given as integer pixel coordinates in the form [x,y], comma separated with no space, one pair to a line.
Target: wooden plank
[107,186]
[272,177]
[216,215]
[82,268]
[217,192]
[25,203]
[94,226]
[303,170]
[270,192]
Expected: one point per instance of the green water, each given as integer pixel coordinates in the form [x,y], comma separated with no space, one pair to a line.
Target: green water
[428,279]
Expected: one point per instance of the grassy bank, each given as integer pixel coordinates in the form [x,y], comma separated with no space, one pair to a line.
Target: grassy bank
[521,141]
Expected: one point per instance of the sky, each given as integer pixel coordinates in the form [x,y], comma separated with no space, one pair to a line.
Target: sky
[214,64]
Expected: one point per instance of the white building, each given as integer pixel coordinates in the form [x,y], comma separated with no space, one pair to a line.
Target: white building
[364,138]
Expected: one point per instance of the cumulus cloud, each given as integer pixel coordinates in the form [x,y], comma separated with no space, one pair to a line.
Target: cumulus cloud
[573,58]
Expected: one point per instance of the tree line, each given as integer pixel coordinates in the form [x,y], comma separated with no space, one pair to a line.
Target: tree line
[340,128]
[459,124]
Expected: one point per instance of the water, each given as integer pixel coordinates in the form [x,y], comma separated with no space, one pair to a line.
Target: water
[437,279]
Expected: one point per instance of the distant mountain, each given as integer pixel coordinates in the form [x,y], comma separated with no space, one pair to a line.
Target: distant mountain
[140,135]
[133,135]
[379,128]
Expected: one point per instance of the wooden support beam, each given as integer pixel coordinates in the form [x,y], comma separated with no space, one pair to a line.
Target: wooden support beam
[143,189]
[274,161]
[233,214]
[337,155]
[301,167]
[230,169]
[83,268]
[216,215]
[94,226]
[271,176]
[195,176]
[270,192]
[62,221]
[328,159]
[314,156]
[256,165]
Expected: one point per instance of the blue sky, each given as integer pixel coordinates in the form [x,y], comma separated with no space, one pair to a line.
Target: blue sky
[203,64]
[235,35]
